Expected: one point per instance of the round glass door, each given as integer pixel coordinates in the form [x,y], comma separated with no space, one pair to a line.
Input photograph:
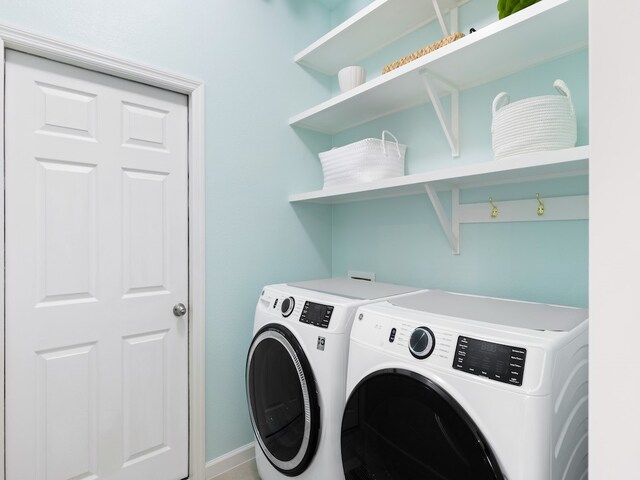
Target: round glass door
[398,425]
[283,401]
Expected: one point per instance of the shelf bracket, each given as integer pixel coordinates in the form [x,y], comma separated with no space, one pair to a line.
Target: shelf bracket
[450,229]
[451,128]
[443,26]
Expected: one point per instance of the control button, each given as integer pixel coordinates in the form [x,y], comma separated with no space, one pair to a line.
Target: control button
[287,306]
[392,335]
[422,342]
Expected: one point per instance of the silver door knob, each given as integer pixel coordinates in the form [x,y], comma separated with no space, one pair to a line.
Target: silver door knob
[179,309]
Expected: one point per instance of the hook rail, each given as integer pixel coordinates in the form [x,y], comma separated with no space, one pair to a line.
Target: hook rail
[553,209]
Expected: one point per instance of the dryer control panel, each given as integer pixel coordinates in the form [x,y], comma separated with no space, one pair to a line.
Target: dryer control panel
[499,362]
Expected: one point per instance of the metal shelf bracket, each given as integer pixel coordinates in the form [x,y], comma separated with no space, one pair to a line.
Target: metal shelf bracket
[443,26]
[450,127]
[451,229]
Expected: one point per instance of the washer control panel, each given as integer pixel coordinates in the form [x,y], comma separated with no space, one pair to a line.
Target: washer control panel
[495,361]
[452,347]
[287,306]
[316,314]
[422,342]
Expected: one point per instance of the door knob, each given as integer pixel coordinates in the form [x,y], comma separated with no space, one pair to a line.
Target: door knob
[179,309]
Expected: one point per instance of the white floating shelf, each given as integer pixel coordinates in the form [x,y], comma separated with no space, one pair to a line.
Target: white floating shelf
[377,25]
[528,167]
[542,32]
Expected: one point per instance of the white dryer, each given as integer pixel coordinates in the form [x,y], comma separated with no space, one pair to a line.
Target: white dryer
[296,373]
[458,387]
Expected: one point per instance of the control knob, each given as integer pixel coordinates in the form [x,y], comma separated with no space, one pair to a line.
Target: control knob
[287,305]
[422,342]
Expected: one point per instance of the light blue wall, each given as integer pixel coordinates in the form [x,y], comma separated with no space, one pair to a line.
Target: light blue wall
[243,51]
[345,9]
[401,240]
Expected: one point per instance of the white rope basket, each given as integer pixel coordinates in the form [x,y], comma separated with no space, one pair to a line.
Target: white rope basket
[533,124]
[364,161]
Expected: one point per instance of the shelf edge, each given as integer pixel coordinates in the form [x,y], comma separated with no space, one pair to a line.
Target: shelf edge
[360,16]
[384,188]
[298,120]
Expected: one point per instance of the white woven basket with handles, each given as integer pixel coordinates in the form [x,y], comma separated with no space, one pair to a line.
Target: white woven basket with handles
[364,161]
[533,124]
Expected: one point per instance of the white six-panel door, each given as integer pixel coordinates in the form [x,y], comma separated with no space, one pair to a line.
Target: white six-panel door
[96,259]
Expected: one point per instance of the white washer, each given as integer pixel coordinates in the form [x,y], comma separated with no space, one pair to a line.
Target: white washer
[296,373]
[450,386]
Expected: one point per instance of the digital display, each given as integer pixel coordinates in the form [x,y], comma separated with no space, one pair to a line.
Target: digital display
[503,363]
[489,347]
[316,314]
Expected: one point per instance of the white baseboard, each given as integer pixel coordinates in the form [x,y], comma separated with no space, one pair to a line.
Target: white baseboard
[230,460]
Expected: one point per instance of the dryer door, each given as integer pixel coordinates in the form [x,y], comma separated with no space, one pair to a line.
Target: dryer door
[399,425]
[283,400]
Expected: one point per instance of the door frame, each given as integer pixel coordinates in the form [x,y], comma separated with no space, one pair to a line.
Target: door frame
[60,51]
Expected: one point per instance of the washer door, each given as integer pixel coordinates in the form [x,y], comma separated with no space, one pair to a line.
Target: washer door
[398,425]
[283,400]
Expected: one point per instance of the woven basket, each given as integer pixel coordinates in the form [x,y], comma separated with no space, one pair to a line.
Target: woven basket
[533,124]
[422,52]
[364,161]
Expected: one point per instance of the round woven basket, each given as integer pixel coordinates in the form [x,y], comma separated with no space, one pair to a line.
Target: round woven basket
[533,124]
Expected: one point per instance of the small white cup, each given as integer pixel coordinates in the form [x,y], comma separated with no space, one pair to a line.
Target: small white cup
[351,77]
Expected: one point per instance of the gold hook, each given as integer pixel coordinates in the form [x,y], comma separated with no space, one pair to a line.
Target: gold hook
[540,205]
[494,210]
